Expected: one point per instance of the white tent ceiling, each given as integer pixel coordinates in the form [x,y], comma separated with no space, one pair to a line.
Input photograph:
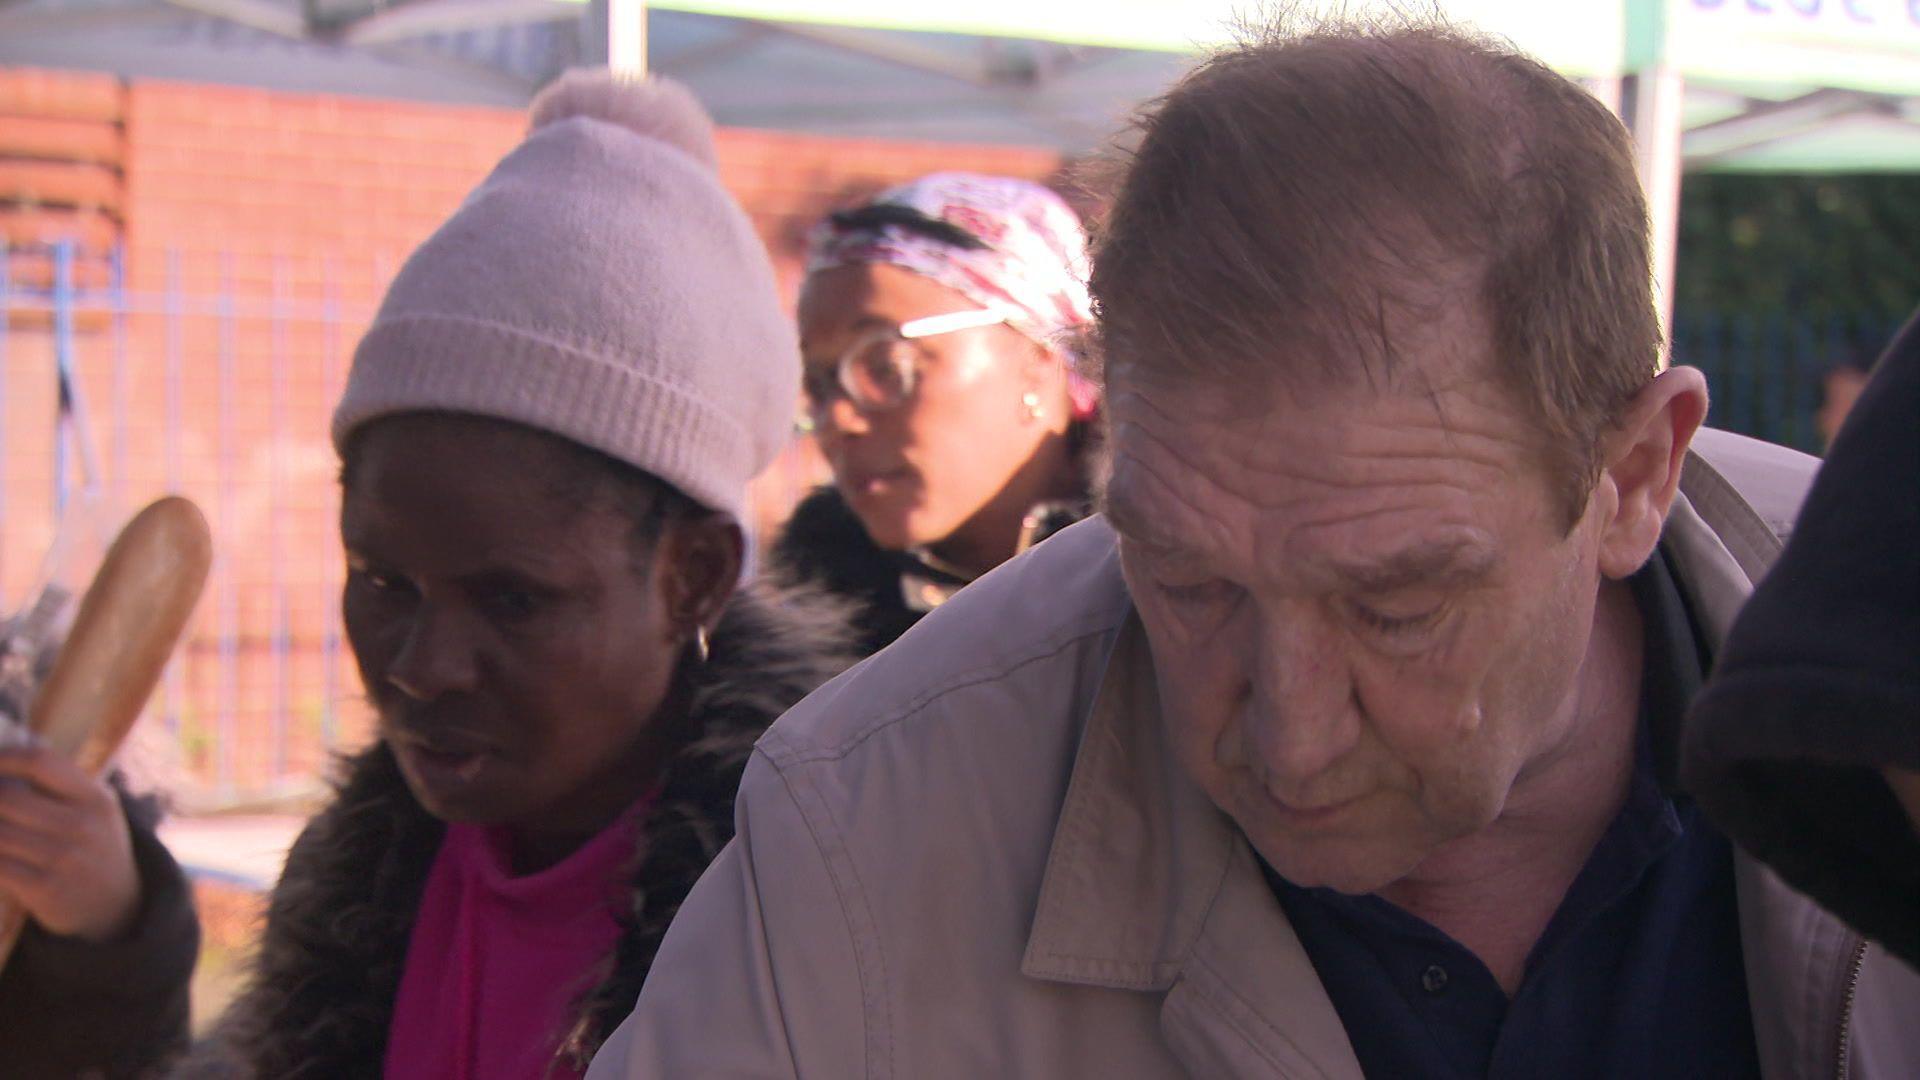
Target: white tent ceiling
[1799,85]
[1783,91]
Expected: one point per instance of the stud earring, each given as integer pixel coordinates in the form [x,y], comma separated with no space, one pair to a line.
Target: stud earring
[1034,409]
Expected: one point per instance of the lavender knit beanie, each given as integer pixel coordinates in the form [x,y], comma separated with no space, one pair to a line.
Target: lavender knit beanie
[602,286]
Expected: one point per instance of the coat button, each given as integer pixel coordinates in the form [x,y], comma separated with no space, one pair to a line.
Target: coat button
[1434,979]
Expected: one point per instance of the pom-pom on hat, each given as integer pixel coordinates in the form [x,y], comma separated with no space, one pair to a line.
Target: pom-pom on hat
[600,285]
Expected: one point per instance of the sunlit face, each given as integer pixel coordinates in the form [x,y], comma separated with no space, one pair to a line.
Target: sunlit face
[513,650]
[914,475]
[1365,614]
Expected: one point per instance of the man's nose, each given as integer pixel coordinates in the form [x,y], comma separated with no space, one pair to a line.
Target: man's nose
[1303,688]
[437,657]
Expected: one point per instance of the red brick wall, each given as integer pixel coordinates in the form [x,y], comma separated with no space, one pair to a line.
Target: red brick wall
[62,141]
[291,210]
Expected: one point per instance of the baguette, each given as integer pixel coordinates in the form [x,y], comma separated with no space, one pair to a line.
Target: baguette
[128,624]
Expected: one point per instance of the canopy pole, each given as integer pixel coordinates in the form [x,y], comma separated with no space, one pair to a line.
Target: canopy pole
[1653,98]
[627,37]
[615,34]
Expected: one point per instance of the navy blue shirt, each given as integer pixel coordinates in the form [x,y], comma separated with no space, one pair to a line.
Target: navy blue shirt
[1639,973]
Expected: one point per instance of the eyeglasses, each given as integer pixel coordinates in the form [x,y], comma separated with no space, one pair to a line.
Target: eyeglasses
[879,372]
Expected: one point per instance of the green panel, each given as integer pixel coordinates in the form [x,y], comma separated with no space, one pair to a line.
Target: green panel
[1644,36]
[1846,146]
[1854,44]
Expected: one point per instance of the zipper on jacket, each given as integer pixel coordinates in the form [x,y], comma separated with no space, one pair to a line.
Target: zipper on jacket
[1844,1059]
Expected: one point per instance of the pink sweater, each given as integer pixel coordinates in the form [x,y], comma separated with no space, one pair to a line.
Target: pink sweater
[496,962]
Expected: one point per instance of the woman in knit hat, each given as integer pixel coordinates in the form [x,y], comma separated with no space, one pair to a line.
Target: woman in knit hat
[939,377]
[546,441]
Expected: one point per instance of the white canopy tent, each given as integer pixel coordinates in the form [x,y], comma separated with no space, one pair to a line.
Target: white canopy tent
[1784,85]
[1801,85]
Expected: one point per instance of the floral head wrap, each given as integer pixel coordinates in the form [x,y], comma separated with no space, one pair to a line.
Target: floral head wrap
[1016,248]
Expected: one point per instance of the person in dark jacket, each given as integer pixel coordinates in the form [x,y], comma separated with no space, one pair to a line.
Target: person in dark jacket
[941,380]
[97,984]
[98,981]
[1806,742]
[546,440]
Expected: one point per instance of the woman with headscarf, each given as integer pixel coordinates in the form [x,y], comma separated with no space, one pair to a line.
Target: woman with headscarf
[936,327]
[545,442]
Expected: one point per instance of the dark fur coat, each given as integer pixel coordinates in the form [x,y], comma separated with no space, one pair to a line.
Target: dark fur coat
[338,923]
[70,1008]
[825,546]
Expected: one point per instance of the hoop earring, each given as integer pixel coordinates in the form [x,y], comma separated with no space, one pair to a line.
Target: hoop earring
[1035,411]
[702,648]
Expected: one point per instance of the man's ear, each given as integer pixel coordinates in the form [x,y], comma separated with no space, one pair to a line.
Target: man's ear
[1641,459]
[700,560]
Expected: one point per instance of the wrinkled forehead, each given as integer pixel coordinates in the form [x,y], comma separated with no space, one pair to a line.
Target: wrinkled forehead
[1406,331]
[1430,343]
[1261,407]
[1262,472]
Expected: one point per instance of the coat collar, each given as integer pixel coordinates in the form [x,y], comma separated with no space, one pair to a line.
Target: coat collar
[1149,887]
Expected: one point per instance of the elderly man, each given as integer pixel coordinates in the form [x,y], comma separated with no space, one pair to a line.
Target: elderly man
[1346,744]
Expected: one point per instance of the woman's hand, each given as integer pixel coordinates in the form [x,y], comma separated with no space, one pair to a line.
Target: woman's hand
[65,853]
